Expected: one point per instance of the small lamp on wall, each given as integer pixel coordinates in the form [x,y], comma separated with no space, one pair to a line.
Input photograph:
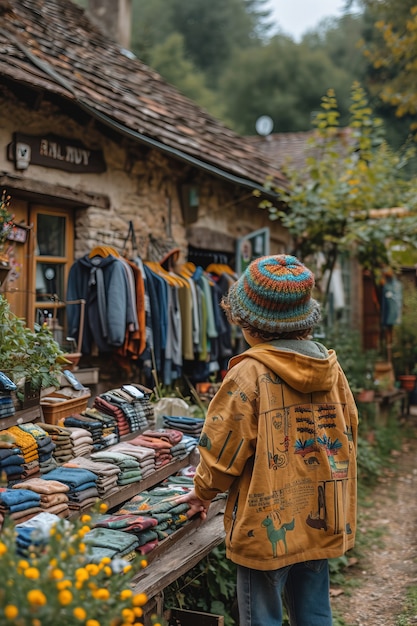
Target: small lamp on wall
[190,202]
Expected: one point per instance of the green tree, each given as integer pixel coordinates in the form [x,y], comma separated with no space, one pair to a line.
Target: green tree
[332,204]
[392,52]
[281,79]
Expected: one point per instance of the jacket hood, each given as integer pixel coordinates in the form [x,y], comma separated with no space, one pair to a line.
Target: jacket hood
[304,365]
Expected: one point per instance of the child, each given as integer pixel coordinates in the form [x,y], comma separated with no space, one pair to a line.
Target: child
[280,438]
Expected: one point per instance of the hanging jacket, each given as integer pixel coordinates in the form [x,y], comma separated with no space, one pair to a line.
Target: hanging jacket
[102,283]
[280,437]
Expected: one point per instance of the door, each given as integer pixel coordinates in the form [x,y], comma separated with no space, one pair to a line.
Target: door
[51,261]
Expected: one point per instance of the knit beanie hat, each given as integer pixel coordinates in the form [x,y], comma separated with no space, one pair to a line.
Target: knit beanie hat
[274,295]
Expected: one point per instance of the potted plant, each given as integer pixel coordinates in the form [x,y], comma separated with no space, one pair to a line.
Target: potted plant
[32,359]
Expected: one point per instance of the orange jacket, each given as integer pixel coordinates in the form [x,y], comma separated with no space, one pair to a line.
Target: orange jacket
[280,437]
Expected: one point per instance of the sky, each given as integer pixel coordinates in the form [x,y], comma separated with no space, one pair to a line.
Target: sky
[295,17]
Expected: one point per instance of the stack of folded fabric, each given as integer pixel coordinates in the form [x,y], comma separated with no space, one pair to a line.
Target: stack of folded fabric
[110,434]
[29,451]
[129,466]
[107,474]
[82,493]
[34,532]
[132,410]
[144,456]
[92,426]
[7,407]
[181,445]
[45,445]
[189,425]
[82,441]
[11,463]
[19,504]
[53,495]
[112,543]
[63,443]
[160,445]
[141,526]
[114,411]
[184,447]
[160,504]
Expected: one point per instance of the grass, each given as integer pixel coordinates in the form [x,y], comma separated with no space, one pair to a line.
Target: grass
[409,613]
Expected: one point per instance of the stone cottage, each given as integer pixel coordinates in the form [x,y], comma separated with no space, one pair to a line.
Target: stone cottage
[97,149]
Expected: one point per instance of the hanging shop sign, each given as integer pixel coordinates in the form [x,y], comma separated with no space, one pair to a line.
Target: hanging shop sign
[53,151]
[250,247]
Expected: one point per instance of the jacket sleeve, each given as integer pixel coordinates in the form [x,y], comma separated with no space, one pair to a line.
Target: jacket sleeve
[227,441]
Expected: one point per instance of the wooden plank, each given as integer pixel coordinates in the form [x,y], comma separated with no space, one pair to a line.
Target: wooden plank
[182,557]
[166,544]
[32,414]
[182,617]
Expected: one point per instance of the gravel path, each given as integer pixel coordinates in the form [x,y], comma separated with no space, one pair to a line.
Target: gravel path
[389,566]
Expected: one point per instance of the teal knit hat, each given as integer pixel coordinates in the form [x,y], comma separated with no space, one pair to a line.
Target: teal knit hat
[274,295]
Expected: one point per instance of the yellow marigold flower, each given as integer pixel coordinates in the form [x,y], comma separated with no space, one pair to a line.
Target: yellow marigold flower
[81,548]
[127,568]
[52,531]
[81,573]
[23,564]
[57,574]
[65,597]
[3,548]
[125,594]
[83,531]
[63,584]
[78,584]
[32,573]
[140,599]
[128,616]
[108,571]
[58,536]
[92,622]
[144,563]
[138,611]
[103,507]
[53,562]
[92,569]
[36,622]
[63,556]
[72,551]
[85,518]
[11,611]
[36,597]
[79,613]
[101,594]
[105,560]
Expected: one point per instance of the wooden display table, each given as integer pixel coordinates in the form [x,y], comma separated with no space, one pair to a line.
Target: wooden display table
[176,555]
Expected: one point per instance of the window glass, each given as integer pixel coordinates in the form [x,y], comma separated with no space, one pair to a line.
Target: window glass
[51,235]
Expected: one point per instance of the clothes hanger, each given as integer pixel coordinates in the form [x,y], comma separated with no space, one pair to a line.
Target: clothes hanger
[103,251]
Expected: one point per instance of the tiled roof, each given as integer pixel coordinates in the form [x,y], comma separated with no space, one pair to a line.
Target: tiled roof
[52,45]
[292,149]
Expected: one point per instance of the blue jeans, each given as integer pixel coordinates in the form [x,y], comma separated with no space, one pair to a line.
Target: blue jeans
[304,587]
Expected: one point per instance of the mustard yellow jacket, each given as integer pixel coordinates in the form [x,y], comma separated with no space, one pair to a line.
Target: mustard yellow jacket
[280,438]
